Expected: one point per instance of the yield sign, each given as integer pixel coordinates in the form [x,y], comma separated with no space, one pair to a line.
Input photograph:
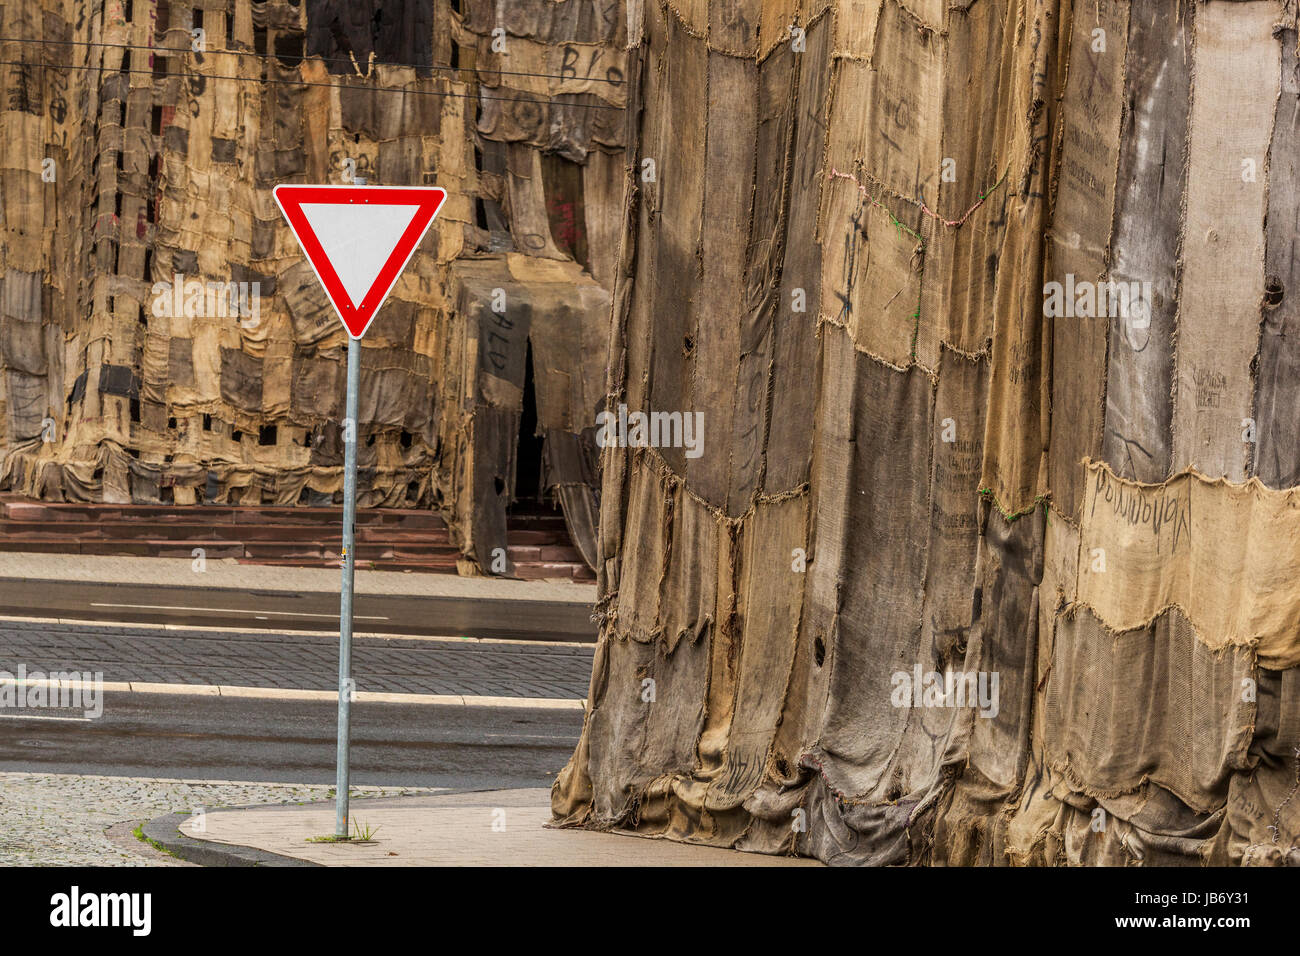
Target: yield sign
[358,239]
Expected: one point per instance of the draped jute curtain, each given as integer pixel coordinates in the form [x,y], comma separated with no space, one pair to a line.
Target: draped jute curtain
[914,464]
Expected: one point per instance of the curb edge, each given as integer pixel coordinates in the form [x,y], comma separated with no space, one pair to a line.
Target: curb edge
[164,831]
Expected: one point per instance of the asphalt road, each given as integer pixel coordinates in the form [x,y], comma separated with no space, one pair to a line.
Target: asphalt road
[297,610]
[293,741]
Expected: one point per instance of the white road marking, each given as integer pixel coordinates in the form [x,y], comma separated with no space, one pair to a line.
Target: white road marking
[290,693]
[363,696]
[234,610]
[4,716]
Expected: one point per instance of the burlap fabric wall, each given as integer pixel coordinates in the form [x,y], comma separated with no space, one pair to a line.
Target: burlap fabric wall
[925,472]
[163,165]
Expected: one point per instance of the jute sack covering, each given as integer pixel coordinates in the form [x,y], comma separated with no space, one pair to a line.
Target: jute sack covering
[1226,555]
[916,473]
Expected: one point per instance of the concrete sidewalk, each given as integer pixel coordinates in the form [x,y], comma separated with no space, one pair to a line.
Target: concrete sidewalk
[229,573]
[490,828]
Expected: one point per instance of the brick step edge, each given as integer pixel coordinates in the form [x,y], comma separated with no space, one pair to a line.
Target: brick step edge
[525,572]
[16,507]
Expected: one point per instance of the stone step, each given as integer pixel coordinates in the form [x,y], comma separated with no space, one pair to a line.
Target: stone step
[27,510]
[127,530]
[541,570]
[386,538]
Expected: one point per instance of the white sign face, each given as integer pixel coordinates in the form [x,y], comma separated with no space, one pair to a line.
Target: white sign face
[358,240]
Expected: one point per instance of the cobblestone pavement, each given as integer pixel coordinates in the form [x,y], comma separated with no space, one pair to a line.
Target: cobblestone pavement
[60,819]
[298,661]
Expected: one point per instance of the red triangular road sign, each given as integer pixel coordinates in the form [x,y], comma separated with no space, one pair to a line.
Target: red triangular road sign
[358,239]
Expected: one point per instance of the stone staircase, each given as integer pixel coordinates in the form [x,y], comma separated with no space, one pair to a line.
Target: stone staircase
[387,539]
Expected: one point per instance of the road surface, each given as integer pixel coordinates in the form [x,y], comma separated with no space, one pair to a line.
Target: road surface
[292,741]
[514,619]
[268,738]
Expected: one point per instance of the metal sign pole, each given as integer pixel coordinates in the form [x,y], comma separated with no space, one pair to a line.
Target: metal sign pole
[332,223]
[345,606]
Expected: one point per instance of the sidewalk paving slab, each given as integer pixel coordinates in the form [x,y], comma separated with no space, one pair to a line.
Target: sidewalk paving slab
[486,828]
[228,573]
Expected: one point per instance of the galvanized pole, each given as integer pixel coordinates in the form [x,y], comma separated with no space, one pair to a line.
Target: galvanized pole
[345,608]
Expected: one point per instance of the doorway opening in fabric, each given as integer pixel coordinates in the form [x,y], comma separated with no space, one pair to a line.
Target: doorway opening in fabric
[529,486]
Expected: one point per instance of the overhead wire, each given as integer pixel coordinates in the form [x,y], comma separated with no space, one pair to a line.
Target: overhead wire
[332,86]
[183,51]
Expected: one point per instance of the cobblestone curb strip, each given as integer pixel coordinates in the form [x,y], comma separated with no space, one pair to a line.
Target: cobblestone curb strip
[50,819]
